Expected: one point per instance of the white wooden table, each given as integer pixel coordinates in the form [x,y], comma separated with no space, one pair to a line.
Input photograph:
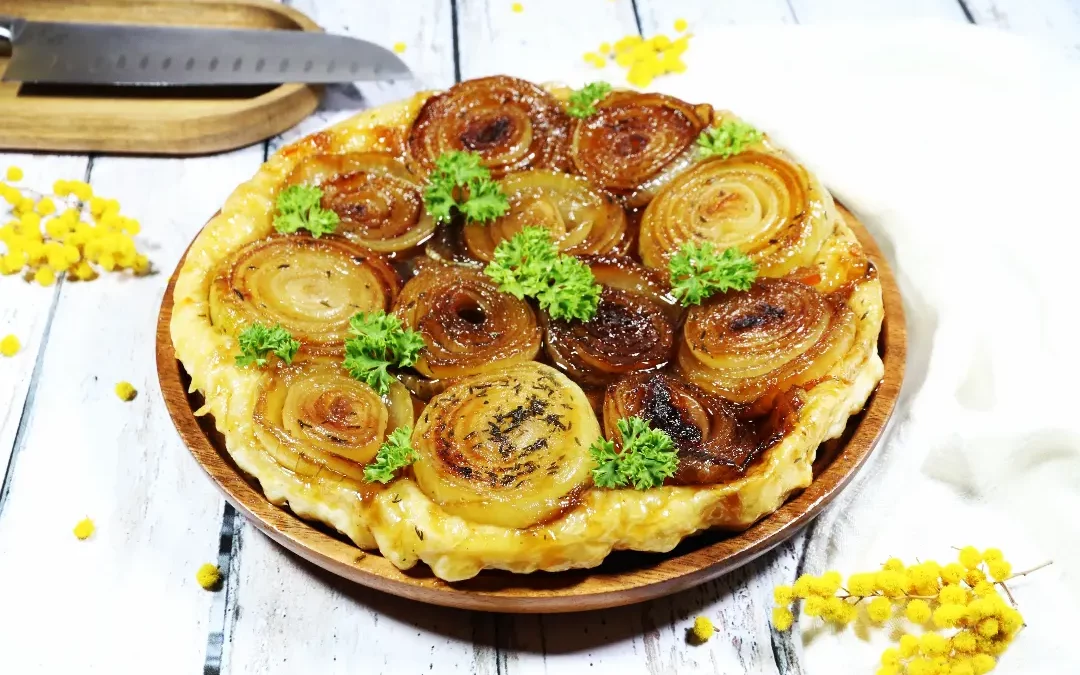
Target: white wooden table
[126,601]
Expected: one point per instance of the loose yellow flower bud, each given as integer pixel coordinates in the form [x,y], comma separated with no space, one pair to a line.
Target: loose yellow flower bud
[1000,569]
[681,25]
[14,173]
[125,391]
[982,663]
[84,528]
[879,609]
[917,611]
[933,644]
[782,618]
[783,595]
[988,628]
[970,557]
[208,576]
[703,629]
[9,346]
[909,645]
[61,188]
[45,207]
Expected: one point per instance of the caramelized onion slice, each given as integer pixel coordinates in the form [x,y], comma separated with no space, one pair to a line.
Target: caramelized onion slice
[625,274]
[633,137]
[317,421]
[312,287]
[766,206]
[580,219]
[513,124]
[714,444]
[750,346]
[380,203]
[468,325]
[508,448]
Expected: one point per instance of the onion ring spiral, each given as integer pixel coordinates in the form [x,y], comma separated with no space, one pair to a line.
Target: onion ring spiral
[508,447]
[312,287]
[514,125]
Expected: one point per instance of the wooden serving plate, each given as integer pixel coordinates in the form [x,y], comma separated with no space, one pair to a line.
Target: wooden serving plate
[159,120]
[625,577]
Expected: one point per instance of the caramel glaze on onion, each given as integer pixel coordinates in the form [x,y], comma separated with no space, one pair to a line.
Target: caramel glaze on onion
[312,287]
[751,346]
[633,328]
[468,325]
[379,202]
[320,423]
[633,137]
[514,125]
[716,442]
[581,219]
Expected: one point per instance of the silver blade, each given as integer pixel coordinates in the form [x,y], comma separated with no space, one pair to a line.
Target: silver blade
[74,53]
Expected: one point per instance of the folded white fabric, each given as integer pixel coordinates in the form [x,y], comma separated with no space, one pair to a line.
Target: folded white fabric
[959,148]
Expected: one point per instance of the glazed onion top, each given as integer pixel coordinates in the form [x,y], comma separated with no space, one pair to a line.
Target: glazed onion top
[312,287]
[468,325]
[379,202]
[512,124]
[762,204]
[318,422]
[633,137]
[508,447]
[580,219]
[749,347]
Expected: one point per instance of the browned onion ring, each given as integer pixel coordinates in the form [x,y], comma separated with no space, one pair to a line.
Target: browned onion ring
[633,137]
[750,346]
[513,124]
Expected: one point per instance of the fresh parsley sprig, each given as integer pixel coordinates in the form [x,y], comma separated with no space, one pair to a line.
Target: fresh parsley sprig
[648,457]
[460,182]
[698,271]
[379,342]
[730,138]
[528,264]
[583,101]
[300,207]
[257,341]
[394,454]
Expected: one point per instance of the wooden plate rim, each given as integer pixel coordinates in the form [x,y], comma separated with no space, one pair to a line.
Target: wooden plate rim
[573,590]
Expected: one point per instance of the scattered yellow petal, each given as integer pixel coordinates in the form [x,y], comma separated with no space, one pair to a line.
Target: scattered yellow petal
[399,47]
[605,48]
[84,528]
[46,207]
[681,25]
[208,576]
[10,345]
[125,391]
[14,173]
[517,7]
[703,629]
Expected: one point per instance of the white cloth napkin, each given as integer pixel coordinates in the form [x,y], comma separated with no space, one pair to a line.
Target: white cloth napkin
[958,147]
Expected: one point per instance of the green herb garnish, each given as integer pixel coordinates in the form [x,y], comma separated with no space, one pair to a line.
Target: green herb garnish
[379,342]
[299,207]
[730,138]
[257,341]
[583,101]
[698,271]
[394,454]
[528,264]
[648,457]
[461,182]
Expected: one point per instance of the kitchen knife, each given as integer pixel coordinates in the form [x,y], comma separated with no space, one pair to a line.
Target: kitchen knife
[116,54]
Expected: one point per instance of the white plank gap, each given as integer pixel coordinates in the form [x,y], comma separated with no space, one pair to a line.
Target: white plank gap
[1052,22]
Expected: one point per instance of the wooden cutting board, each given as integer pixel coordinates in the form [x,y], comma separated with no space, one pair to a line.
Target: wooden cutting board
[169,120]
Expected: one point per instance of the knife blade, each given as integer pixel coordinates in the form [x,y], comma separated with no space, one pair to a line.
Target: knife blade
[114,54]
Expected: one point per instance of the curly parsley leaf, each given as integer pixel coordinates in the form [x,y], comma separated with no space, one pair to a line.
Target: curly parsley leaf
[379,341]
[394,454]
[460,182]
[648,457]
[730,138]
[583,101]
[698,271]
[258,341]
[299,207]
[528,264]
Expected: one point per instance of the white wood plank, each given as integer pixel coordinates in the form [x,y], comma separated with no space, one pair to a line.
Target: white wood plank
[1054,22]
[658,16]
[25,307]
[129,599]
[819,11]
